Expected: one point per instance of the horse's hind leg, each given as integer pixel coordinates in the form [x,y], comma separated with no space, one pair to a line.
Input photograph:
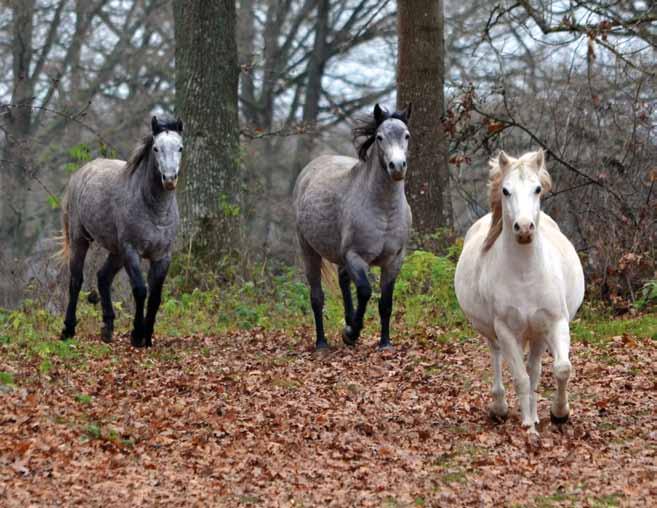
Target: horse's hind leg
[105,277]
[499,409]
[79,250]
[156,275]
[559,344]
[139,291]
[357,268]
[313,265]
[345,288]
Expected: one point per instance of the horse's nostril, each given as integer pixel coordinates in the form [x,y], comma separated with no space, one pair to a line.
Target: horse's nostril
[391,165]
[404,164]
[516,227]
[531,226]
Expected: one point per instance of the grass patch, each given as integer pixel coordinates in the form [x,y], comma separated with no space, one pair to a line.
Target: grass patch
[6,378]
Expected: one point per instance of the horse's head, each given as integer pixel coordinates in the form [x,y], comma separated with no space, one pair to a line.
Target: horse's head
[392,138]
[523,182]
[167,150]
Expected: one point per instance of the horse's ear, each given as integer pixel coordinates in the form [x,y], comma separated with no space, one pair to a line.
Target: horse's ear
[179,125]
[407,112]
[539,157]
[503,161]
[380,114]
[155,126]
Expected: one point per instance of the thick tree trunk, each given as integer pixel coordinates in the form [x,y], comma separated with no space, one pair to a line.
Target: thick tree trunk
[207,75]
[16,163]
[420,80]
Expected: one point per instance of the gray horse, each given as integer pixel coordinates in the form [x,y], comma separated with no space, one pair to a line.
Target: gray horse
[354,213]
[130,209]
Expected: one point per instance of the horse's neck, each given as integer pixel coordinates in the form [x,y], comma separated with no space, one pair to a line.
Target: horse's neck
[155,197]
[376,186]
[522,257]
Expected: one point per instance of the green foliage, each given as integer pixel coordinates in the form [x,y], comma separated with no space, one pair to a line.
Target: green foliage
[425,308]
[80,155]
[228,209]
[648,295]
[6,378]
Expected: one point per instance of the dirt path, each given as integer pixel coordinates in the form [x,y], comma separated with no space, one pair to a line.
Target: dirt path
[256,419]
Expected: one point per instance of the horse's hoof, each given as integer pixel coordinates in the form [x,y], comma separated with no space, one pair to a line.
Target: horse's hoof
[67,333]
[386,346]
[106,334]
[93,297]
[349,337]
[136,339]
[495,418]
[558,420]
[322,347]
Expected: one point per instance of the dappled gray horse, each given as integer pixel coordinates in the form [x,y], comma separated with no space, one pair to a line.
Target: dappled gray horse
[130,209]
[354,213]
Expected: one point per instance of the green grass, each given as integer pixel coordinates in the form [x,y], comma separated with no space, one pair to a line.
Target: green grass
[424,299]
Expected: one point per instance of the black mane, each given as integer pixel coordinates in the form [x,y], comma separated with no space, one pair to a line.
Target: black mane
[366,128]
[140,153]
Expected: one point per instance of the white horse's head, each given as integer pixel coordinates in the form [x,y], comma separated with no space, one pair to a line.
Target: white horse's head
[523,183]
[167,149]
[516,188]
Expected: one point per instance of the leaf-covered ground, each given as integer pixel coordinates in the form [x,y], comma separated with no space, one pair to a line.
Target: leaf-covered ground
[257,419]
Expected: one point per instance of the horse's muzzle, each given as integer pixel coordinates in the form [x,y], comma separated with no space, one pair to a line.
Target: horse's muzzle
[525,239]
[170,184]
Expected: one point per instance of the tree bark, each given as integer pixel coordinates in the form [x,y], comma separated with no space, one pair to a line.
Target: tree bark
[207,74]
[315,72]
[18,123]
[420,80]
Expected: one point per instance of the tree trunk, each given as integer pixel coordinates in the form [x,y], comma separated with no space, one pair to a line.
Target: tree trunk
[16,163]
[207,75]
[315,72]
[420,80]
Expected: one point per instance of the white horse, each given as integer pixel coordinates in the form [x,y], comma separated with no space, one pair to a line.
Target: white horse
[520,282]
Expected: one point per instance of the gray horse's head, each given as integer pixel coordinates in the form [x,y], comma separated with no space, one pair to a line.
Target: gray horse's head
[167,150]
[389,131]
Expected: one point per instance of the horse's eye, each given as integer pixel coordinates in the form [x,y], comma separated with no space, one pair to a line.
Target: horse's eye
[505,192]
[408,136]
[379,137]
[180,149]
[155,149]
[538,190]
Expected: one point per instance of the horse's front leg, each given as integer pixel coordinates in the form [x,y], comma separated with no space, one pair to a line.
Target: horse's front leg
[357,269]
[513,353]
[156,276]
[559,344]
[139,291]
[388,277]
[536,350]
[499,410]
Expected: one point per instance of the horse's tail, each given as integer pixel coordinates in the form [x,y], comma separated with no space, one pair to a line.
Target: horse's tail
[330,277]
[63,254]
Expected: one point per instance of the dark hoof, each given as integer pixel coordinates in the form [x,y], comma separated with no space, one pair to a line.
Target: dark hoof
[322,347]
[136,339]
[106,334]
[93,297]
[495,418]
[558,420]
[67,333]
[349,336]
[387,346]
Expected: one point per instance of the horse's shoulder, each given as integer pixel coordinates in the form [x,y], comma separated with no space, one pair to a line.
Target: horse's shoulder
[549,221]
[481,225]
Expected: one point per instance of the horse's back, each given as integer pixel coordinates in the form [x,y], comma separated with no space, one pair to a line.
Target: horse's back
[90,200]
[317,198]
[323,174]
